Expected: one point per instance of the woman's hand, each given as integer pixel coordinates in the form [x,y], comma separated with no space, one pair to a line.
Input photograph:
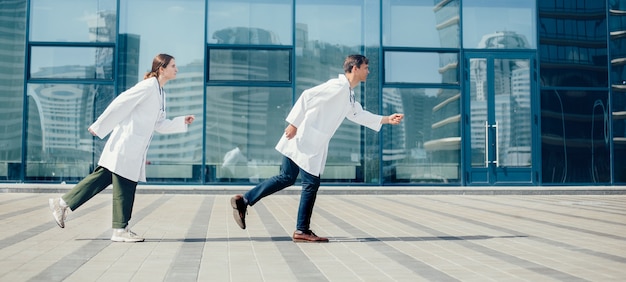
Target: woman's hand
[92,132]
[393,119]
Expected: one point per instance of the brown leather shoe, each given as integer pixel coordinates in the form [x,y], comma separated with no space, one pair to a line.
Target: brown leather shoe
[239,210]
[308,236]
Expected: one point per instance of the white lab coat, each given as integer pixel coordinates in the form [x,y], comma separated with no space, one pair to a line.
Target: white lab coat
[132,117]
[317,114]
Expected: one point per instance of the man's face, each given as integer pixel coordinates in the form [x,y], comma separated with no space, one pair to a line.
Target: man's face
[361,73]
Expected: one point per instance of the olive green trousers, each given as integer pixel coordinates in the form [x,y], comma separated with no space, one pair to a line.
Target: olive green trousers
[100,179]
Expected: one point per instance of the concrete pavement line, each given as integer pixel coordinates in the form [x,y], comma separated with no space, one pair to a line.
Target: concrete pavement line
[419,268]
[22,211]
[186,265]
[17,199]
[618,206]
[551,211]
[299,263]
[27,234]
[73,261]
[513,260]
[546,241]
[566,227]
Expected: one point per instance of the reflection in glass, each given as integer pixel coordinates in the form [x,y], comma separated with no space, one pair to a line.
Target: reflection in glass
[59,145]
[251,119]
[427,147]
[574,138]
[12,56]
[73,21]
[249,22]
[509,101]
[617,28]
[249,65]
[162,26]
[326,32]
[71,62]
[496,24]
[479,93]
[573,50]
[414,67]
[421,23]
[512,112]
[178,157]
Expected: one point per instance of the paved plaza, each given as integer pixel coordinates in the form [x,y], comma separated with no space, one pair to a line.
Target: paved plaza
[411,236]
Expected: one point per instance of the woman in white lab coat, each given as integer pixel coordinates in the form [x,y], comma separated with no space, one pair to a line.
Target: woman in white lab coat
[131,119]
[313,120]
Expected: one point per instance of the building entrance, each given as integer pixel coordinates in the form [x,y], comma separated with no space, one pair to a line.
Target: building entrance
[498,124]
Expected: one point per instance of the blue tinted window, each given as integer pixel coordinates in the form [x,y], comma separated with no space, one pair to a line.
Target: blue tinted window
[251,119]
[496,24]
[257,22]
[58,143]
[249,65]
[421,23]
[431,147]
[71,62]
[421,67]
[73,20]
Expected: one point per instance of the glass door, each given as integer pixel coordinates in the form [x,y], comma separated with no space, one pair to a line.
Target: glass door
[498,126]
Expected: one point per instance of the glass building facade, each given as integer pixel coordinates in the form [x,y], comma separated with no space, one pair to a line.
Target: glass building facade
[516,92]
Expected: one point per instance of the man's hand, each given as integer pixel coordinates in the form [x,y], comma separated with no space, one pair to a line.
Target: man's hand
[393,119]
[290,131]
[189,119]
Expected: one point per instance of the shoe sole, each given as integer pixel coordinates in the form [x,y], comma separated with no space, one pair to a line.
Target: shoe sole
[51,205]
[127,241]
[236,216]
[307,241]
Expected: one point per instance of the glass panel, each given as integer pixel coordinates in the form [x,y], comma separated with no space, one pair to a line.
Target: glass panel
[326,32]
[432,67]
[264,22]
[59,145]
[73,20]
[12,56]
[497,24]
[71,62]
[421,23]
[426,147]
[479,94]
[574,139]
[249,65]
[573,50]
[617,26]
[172,27]
[512,111]
[251,119]
[178,157]
[171,157]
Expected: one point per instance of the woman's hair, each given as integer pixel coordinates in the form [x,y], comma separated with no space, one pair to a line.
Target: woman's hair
[161,60]
[354,60]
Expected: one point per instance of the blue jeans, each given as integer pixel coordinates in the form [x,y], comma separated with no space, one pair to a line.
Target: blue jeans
[287,177]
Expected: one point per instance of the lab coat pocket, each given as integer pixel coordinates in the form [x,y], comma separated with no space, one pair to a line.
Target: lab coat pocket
[312,140]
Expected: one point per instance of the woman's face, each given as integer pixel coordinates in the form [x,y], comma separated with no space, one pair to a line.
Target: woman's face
[170,71]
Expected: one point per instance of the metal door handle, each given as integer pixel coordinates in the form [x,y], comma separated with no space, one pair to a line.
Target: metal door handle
[497,162]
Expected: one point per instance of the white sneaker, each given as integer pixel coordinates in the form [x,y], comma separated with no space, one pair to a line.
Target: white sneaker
[125,235]
[58,212]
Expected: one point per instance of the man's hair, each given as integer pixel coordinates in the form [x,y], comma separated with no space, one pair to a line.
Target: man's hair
[354,60]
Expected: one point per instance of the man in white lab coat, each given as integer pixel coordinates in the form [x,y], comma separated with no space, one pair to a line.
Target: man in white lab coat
[313,120]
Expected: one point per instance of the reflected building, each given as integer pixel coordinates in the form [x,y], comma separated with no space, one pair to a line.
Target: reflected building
[574,79]
[12,54]
[57,120]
